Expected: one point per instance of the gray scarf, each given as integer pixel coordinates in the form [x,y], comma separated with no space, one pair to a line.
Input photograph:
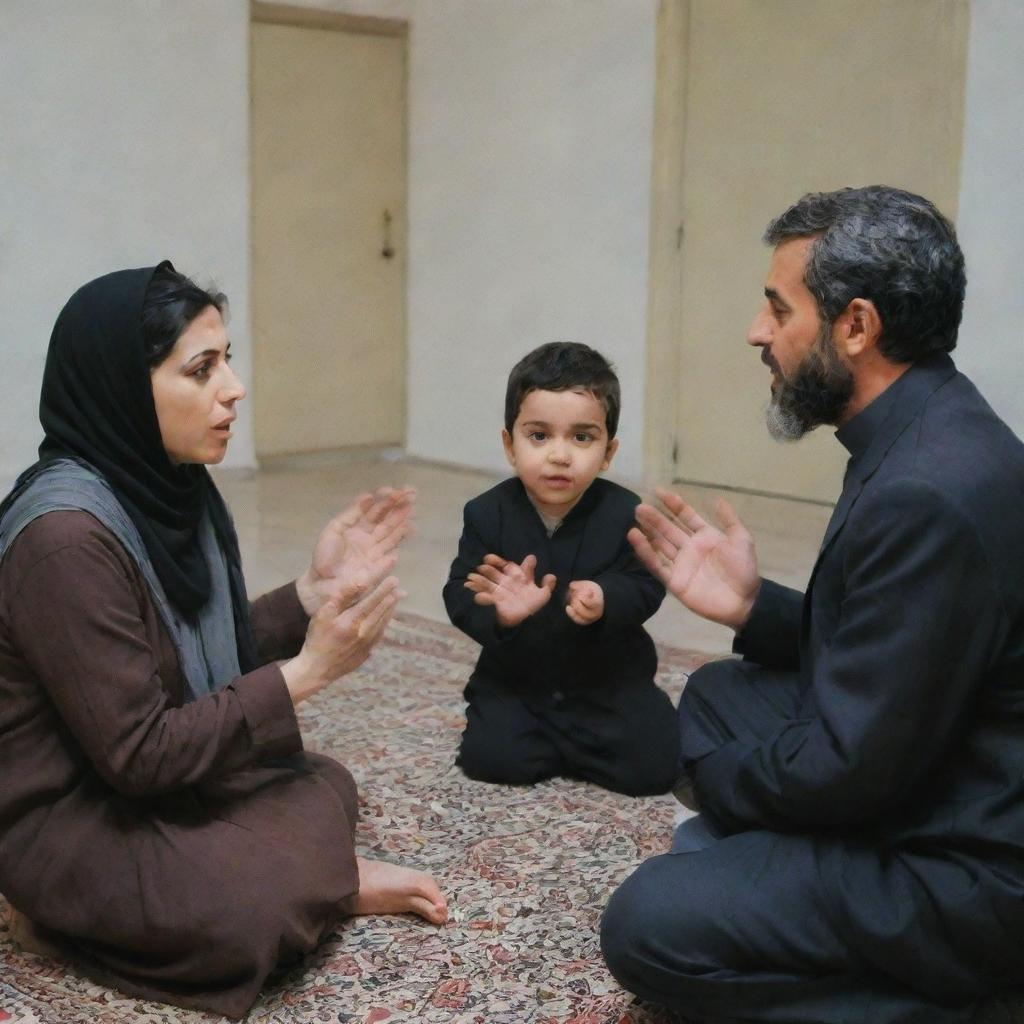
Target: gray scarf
[207,648]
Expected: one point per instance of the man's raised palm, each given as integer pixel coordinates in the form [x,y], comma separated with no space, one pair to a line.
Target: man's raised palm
[712,571]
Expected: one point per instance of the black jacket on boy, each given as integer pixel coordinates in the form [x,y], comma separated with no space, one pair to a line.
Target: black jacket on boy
[548,696]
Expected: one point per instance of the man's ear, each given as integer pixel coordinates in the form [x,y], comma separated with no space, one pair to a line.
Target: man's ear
[857,329]
[506,443]
[609,452]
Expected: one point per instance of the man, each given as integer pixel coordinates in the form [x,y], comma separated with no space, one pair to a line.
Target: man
[859,855]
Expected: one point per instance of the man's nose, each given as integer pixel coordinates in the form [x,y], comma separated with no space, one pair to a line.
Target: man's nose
[559,452]
[760,332]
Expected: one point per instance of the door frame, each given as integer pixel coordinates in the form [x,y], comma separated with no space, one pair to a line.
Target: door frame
[665,257]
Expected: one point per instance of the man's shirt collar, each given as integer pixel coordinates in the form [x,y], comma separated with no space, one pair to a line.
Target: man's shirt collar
[857,434]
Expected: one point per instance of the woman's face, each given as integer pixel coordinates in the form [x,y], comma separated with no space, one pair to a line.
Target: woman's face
[195,391]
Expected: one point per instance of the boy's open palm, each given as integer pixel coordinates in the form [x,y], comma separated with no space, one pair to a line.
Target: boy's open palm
[510,587]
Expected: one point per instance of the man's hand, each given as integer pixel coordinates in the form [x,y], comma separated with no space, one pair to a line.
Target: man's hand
[510,588]
[586,602]
[711,571]
[357,549]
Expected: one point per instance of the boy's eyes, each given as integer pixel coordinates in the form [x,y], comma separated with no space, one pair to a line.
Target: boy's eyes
[580,437]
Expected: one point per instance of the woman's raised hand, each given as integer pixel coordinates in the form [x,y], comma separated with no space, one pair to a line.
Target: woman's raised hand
[710,570]
[339,640]
[357,548]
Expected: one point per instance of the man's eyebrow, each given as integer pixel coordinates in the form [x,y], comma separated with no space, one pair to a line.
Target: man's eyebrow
[773,296]
[534,423]
[586,426]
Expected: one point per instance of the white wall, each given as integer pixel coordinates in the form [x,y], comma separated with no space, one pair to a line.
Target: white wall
[990,222]
[123,140]
[529,171]
[124,130]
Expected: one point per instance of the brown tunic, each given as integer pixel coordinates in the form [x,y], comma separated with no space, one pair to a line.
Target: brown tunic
[182,850]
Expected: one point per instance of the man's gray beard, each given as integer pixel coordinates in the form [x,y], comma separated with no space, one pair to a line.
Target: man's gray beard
[783,424]
[818,392]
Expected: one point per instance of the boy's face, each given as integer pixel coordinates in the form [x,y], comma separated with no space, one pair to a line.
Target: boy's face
[558,444]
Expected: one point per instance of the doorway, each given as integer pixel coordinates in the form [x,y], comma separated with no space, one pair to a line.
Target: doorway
[328,178]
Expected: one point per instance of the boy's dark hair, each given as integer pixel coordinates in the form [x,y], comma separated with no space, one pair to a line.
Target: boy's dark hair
[561,366]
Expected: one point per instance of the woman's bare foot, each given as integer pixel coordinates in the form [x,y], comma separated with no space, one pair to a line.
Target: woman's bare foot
[391,889]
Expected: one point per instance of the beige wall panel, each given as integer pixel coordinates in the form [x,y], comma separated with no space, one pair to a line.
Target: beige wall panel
[786,97]
[328,158]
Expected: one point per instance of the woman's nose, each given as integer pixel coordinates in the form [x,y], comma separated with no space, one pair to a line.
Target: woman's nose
[233,390]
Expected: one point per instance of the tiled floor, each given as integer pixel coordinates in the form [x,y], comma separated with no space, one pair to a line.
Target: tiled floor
[280,510]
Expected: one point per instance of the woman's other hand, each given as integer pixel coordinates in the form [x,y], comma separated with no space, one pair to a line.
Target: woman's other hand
[339,640]
[357,549]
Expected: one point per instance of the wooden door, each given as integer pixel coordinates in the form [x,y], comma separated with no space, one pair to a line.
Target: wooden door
[328,238]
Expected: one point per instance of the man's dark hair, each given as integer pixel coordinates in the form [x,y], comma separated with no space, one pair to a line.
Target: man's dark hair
[172,302]
[891,247]
[562,366]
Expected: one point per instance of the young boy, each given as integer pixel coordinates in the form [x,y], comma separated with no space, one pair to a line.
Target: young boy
[546,582]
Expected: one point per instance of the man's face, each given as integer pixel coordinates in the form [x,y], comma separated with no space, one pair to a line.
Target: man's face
[811,384]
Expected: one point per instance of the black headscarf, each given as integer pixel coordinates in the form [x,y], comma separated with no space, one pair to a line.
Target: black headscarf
[97,406]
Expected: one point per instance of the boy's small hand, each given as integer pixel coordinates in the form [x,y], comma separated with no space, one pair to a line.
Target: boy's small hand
[586,602]
[510,588]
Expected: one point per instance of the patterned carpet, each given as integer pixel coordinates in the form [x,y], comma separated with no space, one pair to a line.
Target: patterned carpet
[527,872]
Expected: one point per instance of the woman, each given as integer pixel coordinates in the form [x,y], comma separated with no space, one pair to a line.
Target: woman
[158,816]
